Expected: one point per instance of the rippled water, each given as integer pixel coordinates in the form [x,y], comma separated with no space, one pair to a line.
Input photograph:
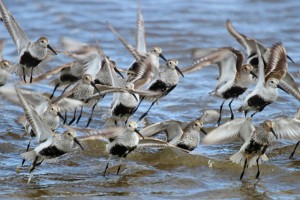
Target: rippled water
[178,27]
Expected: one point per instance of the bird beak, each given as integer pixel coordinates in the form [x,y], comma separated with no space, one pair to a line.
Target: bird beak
[253,74]
[60,115]
[203,131]
[177,69]
[272,130]
[161,56]
[135,130]
[94,85]
[77,142]
[290,58]
[49,47]
[117,71]
[280,87]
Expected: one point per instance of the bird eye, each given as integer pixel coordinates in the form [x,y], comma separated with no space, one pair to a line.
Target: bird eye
[69,134]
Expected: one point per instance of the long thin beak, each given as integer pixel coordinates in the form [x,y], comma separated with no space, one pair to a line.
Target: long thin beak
[60,115]
[290,58]
[77,142]
[203,131]
[180,72]
[117,71]
[253,74]
[282,89]
[49,47]
[272,130]
[161,56]
[94,85]
[135,130]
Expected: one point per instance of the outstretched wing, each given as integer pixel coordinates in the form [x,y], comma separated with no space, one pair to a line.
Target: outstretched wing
[277,63]
[170,127]
[237,128]
[19,37]
[140,39]
[287,128]
[131,49]
[246,42]
[226,60]
[40,128]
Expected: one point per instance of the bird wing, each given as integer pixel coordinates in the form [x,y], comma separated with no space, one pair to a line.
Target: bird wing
[223,57]
[209,116]
[248,43]
[19,37]
[277,63]
[156,128]
[289,84]
[33,98]
[140,39]
[40,128]
[2,45]
[131,49]
[200,52]
[157,143]
[108,133]
[287,128]
[67,104]
[261,72]
[229,131]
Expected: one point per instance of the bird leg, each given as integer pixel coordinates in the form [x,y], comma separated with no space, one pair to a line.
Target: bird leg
[120,164]
[232,116]
[253,114]
[24,76]
[31,74]
[74,117]
[221,107]
[245,164]
[55,87]
[23,161]
[65,89]
[135,109]
[292,154]
[78,119]
[90,119]
[32,168]
[146,113]
[65,120]
[106,166]
[258,172]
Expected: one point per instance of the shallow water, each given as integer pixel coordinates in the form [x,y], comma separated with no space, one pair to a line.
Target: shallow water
[178,27]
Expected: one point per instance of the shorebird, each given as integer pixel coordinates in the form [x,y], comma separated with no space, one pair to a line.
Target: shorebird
[123,105]
[146,66]
[30,53]
[87,61]
[182,134]
[55,145]
[256,141]
[234,76]
[265,91]
[122,140]
[165,82]
[288,83]
[48,110]
[83,91]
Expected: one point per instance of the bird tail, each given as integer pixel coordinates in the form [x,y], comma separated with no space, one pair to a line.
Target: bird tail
[238,158]
[29,155]
[252,161]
